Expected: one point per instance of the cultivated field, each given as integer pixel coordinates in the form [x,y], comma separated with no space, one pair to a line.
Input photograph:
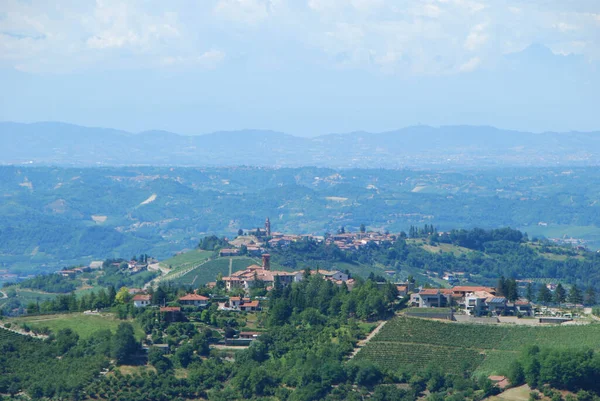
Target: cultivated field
[82,324]
[186,260]
[415,344]
[209,270]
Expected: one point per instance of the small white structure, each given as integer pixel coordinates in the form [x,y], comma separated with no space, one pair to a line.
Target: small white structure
[141,300]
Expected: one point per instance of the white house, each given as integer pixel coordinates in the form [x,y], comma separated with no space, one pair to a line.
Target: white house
[141,300]
[193,300]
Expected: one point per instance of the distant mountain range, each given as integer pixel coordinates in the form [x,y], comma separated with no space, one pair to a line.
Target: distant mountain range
[417,146]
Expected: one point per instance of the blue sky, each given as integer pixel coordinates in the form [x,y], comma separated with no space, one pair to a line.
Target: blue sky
[305,67]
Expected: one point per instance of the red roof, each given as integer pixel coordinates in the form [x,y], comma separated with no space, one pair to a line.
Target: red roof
[193,297]
[170,309]
[429,291]
[468,288]
[253,304]
[142,297]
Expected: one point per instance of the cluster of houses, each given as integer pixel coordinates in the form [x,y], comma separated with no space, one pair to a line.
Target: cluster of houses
[255,275]
[472,300]
[354,241]
[194,300]
[133,266]
[259,239]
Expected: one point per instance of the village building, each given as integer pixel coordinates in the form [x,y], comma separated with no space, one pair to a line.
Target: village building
[194,300]
[249,335]
[255,274]
[251,306]
[171,313]
[244,304]
[141,300]
[229,252]
[402,290]
[431,298]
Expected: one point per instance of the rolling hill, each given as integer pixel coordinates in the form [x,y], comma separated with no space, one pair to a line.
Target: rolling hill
[417,146]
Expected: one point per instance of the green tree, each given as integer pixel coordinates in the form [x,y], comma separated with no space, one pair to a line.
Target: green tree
[516,374]
[501,287]
[123,295]
[544,295]
[575,295]
[159,297]
[529,292]
[124,344]
[590,296]
[112,294]
[184,355]
[512,292]
[560,294]
[363,229]
[65,340]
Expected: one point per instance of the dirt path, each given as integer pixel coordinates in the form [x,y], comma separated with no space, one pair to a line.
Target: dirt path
[364,342]
[23,333]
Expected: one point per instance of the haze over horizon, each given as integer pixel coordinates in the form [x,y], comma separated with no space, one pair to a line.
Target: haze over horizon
[305,68]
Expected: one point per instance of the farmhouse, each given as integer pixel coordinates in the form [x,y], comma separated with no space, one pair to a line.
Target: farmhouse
[229,252]
[193,300]
[141,300]
[171,313]
[333,275]
[251,306]
[431,298]
[235,302]
[402,290]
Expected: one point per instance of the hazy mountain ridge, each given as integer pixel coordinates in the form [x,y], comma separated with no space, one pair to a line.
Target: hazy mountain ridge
[66,144]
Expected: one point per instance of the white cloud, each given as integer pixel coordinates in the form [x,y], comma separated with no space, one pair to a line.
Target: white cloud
[476,38]
[470,65]
[515,10]
[250,12]
[428,37]
[210,59]
[564,27]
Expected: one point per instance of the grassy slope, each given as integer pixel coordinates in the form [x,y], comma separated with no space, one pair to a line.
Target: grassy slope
[186,260]
[209,270]
[84,325]
[487,349]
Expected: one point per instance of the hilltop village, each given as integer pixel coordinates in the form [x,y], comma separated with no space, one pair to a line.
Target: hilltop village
[247,288]
[257,308]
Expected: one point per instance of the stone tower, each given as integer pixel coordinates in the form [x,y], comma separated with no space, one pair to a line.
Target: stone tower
[268,227]
[266,261]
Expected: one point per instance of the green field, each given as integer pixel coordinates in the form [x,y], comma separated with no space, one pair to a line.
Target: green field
[186,260]
[415,344]
[84,325]
[357,269]
[26,296]
[208,271]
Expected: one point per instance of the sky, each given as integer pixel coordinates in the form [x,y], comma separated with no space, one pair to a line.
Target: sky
[305,67]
